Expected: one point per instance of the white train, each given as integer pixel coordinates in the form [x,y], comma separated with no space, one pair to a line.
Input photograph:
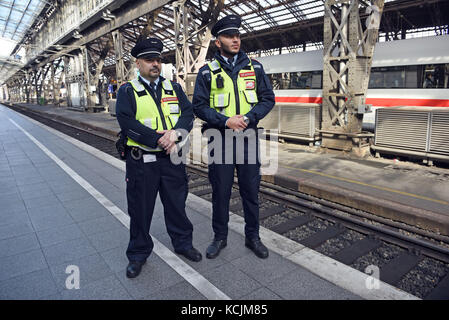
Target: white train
[411,72]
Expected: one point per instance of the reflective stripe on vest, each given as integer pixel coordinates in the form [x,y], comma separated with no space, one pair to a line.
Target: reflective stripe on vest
[225,99]
[147,111]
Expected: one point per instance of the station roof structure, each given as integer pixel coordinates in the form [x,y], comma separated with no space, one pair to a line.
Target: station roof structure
[16,17]
[267,25]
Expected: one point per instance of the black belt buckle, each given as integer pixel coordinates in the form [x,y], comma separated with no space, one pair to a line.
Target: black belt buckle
[136,153]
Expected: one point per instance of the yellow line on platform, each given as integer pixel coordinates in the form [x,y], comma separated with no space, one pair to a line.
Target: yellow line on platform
[369,185]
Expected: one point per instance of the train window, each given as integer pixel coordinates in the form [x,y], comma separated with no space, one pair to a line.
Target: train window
[275,79]
[301,80]
[279,81]
[296,80]
[411,77]
[376,79]
[285,80]
[317,80]
[418,76]
[391,77]
[395,77]
[435,76]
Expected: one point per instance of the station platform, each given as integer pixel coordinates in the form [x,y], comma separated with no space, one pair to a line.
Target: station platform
[405,192]
[63,219]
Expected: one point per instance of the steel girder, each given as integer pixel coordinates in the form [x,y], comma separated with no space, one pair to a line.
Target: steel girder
[348,51]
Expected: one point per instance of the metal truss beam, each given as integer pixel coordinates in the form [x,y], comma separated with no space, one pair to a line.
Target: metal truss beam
[348,51]
[192,40]
[138,9]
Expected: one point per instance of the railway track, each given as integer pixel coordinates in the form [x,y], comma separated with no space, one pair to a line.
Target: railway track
[409,258]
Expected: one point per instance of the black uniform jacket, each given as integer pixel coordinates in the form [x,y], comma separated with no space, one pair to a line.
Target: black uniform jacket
[201,97]
[132,128]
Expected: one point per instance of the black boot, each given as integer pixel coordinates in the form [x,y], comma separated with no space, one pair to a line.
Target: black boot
[191,254]
[257,247]
[134,268]
[214,249]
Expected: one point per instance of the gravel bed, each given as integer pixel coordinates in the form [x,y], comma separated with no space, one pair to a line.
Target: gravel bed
[424,277]
[280,218]
[289,213]
[203,187]
[207,197]
[273,221]
[378,257]
[420,281]
[334,245]
[320,224]
[305,231]
[264,203]
[299,233]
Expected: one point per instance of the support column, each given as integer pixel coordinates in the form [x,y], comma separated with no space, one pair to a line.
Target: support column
[56,82]
[99,68]
[192,41]
[26,86]
[90,102]
[66,80]
[37,91]
[43,83]
[120,68]
[52,83]
[348,52]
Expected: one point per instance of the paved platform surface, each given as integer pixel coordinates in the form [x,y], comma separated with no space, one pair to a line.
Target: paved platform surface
[63,206]
[405,192]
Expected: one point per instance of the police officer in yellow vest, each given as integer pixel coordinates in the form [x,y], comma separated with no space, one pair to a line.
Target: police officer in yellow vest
[149,110]
[232,92]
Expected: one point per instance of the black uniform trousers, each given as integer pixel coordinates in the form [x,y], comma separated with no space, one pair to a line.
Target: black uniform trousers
[144,181]
[221,177]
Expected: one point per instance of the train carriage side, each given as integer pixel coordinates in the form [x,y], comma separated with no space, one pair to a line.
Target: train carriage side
[412,72]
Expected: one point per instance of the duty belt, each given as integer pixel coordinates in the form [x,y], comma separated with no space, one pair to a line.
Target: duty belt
[137,153]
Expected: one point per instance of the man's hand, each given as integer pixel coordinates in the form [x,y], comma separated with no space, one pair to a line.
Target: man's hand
[167,141]
[174,148]
[236,123]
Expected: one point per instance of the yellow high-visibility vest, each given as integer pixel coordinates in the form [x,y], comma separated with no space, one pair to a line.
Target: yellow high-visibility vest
[149,114]
[237,96]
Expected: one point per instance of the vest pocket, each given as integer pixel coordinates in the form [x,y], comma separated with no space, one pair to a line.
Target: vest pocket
[221,100]
[152,123]
[173,119]
[250,96]
[174,108]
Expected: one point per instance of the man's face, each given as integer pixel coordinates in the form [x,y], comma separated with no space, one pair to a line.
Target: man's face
[149,68]
[229,45]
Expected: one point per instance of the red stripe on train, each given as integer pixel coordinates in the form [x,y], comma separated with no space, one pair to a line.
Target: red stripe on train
[299,99]
[385,102]
[376,102]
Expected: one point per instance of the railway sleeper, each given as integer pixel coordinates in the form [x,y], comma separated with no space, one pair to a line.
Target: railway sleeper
[441,291]
[271,211]
[200,183]
[202,192]
[292,224]
[318,238]
[359,248]
[395,269]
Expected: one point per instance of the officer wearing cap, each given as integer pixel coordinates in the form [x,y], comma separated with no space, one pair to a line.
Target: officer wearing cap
[149,110]
[233,93]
